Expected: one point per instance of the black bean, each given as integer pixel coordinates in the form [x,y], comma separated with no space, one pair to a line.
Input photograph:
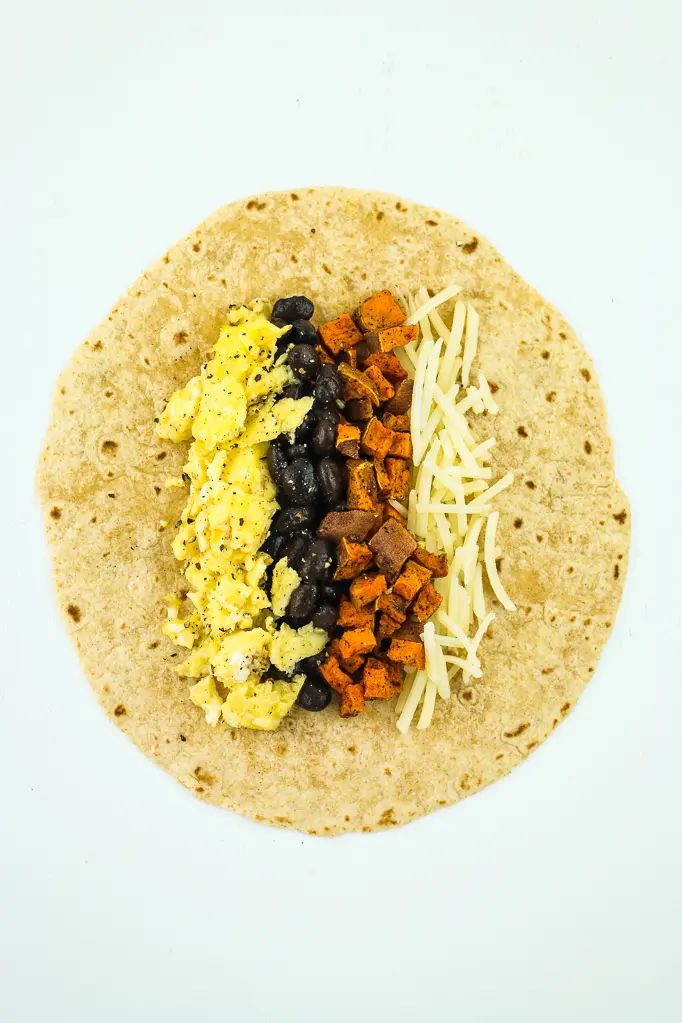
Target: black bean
[303,330]
[289,520]
[278,675]
[327,369]
[295,547]
[277,463]
[314,694]
[340,506]
[325,618]
[362,348]
[299,484]
[278,322]
[302,602]
[330,592]
[317,561]
[304,361]
[294,390]
[295,307]
[331,480]
[309,665]
[292,451]
[328,391]
[329,412]
[272,544]
[304,432]
[283,344]
[322,440]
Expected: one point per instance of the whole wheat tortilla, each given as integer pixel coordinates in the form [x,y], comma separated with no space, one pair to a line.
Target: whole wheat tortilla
[564,526]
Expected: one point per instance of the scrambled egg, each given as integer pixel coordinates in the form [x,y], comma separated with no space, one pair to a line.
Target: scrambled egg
[230,412]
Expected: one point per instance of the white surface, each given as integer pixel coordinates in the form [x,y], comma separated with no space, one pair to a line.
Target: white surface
[553,895]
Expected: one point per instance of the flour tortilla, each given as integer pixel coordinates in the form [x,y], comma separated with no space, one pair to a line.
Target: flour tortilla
[564,526]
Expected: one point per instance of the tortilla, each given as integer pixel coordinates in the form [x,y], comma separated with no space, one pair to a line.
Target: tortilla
[564,525]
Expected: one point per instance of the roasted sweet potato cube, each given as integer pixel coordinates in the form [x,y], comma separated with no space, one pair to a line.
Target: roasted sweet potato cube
[407,651]
[401,445]
[428,600]
[392,545]
[410,581]
[401,401]
[348,440]
[325,357]
[380,310]
[352,701]
[382,386]
[358,409]
[362,486]
[396,337]
[398,470]
[356,641]
[400,424]
[356,384]
[354,525]
[351,559]
[332,672]
[382,478]
[437,564]
[393,605]
[396,674]
[350,355]
[350,617]
[376,680]
[349,664]
[376,439]
[388,364]
[365,589]
[387,627]
[339,334]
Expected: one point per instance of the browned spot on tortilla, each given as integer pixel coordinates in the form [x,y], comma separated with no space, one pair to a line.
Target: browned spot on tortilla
[98,346]
[387,818]
[161,455]
[62,390]
[346,818]
[201,775]
[294,196]
[545,354]
[518,523]
[519,730]
[530,484]
[182,738]
[500,756]
[166,259]
[547,671]
[539,537]
[157,490]
[56,513]
[621,517]
[532,745]
[108,394]
[93,520]
[388,772]
[494,388]
[586,374]
[281,749]
[74,612]
[616,570]
[294,258]
[380,214]
[199,788]
[180,337]
[434,223]
[312,230]
[565,708]
[470,247]
[251,204]
[352,749]
[153,645]
[109,447]
[326,268]
[550,396]
[570,571]
[197,247]
[282,820]
[464,783]
[588,447]
[119,710]
[522,431]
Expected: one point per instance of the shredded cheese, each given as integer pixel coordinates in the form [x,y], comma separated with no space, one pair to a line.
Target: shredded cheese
[450,507]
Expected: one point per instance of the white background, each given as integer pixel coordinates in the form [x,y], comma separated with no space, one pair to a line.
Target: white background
[555,130]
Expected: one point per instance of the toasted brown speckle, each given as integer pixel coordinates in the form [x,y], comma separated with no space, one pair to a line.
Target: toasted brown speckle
[109,447]
[588,447]
[519,730]
[119,710]
[470,247]
[585,373]
[522,431]
[74,612]
[518,523]
[56,513]
[621,517]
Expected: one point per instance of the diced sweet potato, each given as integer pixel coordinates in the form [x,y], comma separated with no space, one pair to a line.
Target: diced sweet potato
[352,701]
[437,564]
[407,651]
[350,355]
[325,357]
[387,627]
[398,470]
[396,674]
[401,446]
[365,589]
[400,424]
[356,384]
[380,310]
[396,337]
[376,680]
[389,512]
[410,581]
[352,618]
[392,545]
[393,605]
[388,364]
[376,439]
[348,440]
[354,525]
[382,386]
[332,672]
[402,399]
[382,478]
[349,664]
[358,409]
[428,601]
[339,334]
[351,559]
[356,641]
[362,486]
